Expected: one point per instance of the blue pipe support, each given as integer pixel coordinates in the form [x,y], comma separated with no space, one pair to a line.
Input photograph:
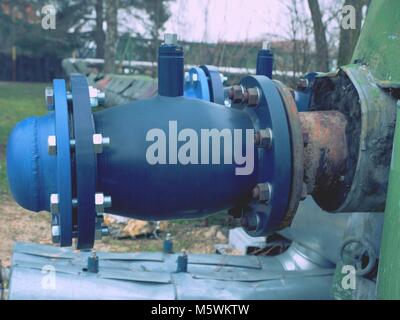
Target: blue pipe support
[265,63]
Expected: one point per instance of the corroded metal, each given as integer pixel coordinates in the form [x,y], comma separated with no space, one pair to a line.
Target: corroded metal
[370,114]
[325,152]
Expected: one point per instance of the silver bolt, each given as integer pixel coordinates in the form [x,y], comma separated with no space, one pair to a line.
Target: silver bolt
[252,97]
[236,94]
[171,39]
[99,142]
[266,45]
[302,84]
[49,94]
[264,138]
[223,78]
[195,77]
[262,192]
[102,231]
[74,203]
[55,234]
[72,143]
[55,231]
[97,97]
[52,145]
[187,77]
[102,202]
[54,203]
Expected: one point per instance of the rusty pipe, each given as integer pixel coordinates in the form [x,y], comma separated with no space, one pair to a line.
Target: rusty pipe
[325,150]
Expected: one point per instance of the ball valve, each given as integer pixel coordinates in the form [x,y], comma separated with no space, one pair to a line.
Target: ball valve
[175,157]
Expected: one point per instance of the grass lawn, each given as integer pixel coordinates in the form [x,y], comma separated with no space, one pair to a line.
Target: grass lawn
[17,101]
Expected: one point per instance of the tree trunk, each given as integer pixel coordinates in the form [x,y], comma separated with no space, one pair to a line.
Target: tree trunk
[111,35]
[100,36]
[321,43]
[349,37]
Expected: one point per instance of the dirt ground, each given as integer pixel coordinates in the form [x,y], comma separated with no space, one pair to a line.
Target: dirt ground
[17,224]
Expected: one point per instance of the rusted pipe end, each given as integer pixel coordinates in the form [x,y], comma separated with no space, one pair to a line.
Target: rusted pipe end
[325,151]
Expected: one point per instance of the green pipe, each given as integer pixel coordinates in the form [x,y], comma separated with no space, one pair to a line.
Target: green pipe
[389,264]
[379,43]
[379,48]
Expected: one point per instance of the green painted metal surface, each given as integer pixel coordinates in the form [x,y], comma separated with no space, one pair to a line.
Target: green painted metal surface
[379,43]
[389,265]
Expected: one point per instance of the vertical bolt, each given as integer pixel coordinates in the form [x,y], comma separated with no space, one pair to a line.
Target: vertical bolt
[99,142]
[171,39]
[266,45]
[102,202]
[262,192]
[93,263]
[54,203]
[182,262]
[263,138]
[49,95]
[195,77]
[97,97]
[52,145]
[250,221]
[55,234]
[302,84]
[252,97]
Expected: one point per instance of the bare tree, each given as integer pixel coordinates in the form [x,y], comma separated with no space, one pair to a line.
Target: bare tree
[321,43]
[349,37]
[100,36]
[111,35]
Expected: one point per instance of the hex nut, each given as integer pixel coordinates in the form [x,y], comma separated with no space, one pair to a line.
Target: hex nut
[263,138]
[52,145]
[252,97]
[236,94]
[262,192]
[170,38]
[49,96]
[99,142]
[302,84]
[102,202]
[54,203]
[55,231]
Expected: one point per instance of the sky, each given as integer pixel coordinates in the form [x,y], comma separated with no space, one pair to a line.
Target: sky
[226,20]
